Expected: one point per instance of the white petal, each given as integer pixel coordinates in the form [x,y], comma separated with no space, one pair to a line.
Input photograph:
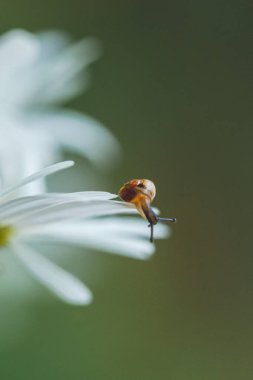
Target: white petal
[122,236]
[65,211]
[63,284]
[38,175]
[79,133]
[19,209]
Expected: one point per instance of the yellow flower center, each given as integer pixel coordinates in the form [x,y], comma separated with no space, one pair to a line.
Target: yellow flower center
[5,234]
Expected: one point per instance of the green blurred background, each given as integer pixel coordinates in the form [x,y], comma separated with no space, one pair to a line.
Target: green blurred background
[175,86]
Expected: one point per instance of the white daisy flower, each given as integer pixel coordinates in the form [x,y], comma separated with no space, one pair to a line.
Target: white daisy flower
[87,219]
[38,72]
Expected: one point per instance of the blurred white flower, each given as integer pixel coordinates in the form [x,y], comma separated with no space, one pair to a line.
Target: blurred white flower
[38,72]
[73,218]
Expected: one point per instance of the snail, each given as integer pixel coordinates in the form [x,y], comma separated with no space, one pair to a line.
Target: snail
[141,193]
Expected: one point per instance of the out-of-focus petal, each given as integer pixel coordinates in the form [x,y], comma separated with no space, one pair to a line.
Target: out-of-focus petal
[15,87]
[80,134]
[48,69]
[61,76]
[17,40]
[13,44]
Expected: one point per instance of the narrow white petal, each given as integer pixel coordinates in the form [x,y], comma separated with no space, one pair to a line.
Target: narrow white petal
[35,207]
[63,284]
[15,214]
[38,175]
[85,195]
[24,203]
[65,211]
